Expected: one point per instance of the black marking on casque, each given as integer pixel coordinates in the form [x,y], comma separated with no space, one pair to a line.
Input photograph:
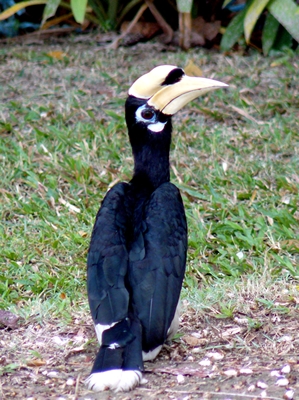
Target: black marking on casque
[174,76]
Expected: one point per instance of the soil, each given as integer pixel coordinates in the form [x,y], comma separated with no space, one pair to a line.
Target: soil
[210,359]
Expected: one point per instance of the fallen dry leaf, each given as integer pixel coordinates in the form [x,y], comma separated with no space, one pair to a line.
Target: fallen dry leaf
[192,69]
[215,355]
[70,206]
[205,362]
[57,54]
[230,372]
[261,385]
[290,244]
[246,371]
[232,331]
[191,340]
[35,362]
[286,369]
[275,373]
[246,114]
[282,382]
[289,394]
[181,371]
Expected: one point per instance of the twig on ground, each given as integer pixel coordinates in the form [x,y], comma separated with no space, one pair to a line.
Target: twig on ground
[114,44]
[77,387]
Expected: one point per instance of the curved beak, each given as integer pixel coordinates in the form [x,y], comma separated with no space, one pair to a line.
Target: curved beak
[170,99]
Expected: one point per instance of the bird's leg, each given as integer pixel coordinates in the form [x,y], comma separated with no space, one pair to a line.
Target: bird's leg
[118,365]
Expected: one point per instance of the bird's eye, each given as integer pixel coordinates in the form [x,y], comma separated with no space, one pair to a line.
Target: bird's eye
[147,114]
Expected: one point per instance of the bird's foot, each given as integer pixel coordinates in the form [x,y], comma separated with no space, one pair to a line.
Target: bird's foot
[117,380]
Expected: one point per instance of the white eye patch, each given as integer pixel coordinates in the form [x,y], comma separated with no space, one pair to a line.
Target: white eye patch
[157,127]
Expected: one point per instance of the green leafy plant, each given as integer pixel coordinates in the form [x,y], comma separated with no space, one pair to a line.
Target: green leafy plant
[12,25]
[107,14]
[226,310]
[254,324]
[280,26]
[6,369]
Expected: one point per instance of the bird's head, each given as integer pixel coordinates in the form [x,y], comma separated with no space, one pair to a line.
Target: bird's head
[159,94]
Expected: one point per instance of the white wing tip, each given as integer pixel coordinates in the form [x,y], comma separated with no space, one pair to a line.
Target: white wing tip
[151,355]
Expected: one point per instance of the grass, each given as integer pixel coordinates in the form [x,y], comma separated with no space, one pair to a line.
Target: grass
[63,143]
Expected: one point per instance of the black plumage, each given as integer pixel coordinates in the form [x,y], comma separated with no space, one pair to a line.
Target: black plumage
[137,255]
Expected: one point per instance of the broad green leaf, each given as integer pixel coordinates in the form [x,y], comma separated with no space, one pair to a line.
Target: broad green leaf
[50,10]
[100,12]
[112,11]
[184,6]
[194,193]
[79,9]
[269,33]
[233,31]
[283,40]
[286,12]
[19,6]
[252,15]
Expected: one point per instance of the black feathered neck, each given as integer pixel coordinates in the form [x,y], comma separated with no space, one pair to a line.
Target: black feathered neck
[150,149]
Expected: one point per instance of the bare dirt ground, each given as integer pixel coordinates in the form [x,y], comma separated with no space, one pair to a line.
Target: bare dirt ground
[212,359]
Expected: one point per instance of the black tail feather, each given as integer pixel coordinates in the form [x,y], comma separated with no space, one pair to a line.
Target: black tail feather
[121,348]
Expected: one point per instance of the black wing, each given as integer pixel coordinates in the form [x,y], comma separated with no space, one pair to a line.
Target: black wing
[157,264]
[108,296]
[107,261]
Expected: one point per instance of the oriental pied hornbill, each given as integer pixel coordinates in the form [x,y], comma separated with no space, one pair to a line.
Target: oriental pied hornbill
[137,255]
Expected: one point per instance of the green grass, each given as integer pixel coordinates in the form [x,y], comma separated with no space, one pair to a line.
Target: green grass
[63,142]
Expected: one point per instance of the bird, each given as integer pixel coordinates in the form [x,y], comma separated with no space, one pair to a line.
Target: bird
[137,255]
